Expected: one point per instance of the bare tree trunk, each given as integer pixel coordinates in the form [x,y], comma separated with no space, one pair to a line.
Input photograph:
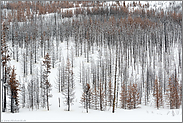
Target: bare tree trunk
[4,103]
[68,100]
[115,81]
[47,100]
[12,106]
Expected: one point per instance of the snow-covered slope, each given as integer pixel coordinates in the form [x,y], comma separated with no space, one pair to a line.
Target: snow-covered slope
[78,113]
[156,5]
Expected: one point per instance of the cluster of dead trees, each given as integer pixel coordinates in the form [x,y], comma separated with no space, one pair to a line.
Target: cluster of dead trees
[118,10]
[35,92]
[99,92]
[68,85]
[174,93]
[130,97]
[95,98]
[68,14]
[132,49]
[65,80]
[10,85]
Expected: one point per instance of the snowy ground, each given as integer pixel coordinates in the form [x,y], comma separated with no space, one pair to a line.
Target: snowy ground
[78,113]
[147,114]
[144,114]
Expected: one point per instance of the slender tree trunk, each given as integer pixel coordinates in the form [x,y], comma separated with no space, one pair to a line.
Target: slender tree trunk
[37,92]
[47,100]
[100,97]
[115,81]
[24,64]
[4,99]
[68,100]
[17,51]
[35,51]
[87,101]
[12,106]
[59,102]
[59,84]
[4,71]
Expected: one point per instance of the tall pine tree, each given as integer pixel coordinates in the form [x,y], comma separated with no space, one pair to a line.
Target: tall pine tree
[68,89]
[45,85]
[13,83]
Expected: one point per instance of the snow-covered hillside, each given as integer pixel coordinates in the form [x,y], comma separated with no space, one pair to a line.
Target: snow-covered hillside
[133,62]
[78,113]
[156,5]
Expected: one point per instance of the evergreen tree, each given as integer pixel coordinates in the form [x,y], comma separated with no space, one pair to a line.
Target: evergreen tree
[173,93]
[68,89]
[123,97]
[158,93]
[110,93]
[86,98]
[129,97]
[135,95]
[13,83]
[45,85]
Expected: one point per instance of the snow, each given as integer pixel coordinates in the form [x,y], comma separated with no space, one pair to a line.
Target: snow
[158,5]
[144,114]
[78,113]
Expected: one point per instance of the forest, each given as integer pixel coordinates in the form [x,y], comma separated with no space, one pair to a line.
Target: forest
[121,55]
